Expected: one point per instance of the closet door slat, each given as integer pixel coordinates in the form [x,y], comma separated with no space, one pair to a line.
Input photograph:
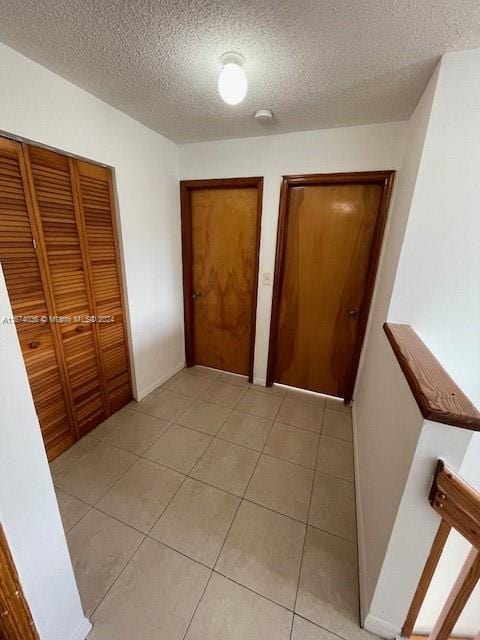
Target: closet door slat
[52,185]
[28,297]
[98,213]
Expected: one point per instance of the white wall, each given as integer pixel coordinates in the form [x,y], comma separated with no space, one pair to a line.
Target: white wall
[438,282]
[386,420]
[28,506]
[437,291]
[371,147]
[40,106]
[414,530]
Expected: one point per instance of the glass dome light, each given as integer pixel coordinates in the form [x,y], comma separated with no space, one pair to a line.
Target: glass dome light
[232,81]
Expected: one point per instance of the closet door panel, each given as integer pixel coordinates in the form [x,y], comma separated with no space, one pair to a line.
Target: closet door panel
[96,197]
[52,185]
[26,288]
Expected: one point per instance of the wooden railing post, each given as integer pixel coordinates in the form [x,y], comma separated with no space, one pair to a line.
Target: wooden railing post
[426,577]
[458,597]
[458,505]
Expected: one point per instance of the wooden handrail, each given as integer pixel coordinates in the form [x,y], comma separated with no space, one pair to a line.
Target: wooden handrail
[438,397]
[458,504]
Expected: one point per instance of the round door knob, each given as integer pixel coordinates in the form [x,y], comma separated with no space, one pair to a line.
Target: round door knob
[352,312]
[34,344]
[196,294]
[79,329]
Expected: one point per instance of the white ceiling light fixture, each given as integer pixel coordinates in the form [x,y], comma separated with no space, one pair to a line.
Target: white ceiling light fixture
[232,81]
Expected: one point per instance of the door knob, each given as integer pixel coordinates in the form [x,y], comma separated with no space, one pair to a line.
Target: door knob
[34,344]
[353,312]
[196,294]
[79,328]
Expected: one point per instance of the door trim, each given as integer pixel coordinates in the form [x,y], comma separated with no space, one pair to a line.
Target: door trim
[186,187]
[380,177]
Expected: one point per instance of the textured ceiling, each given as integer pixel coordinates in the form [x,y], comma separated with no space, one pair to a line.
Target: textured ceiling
[315,63]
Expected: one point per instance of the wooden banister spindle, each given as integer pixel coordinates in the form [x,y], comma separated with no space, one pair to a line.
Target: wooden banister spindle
[458,505]
[426,577]
[458,597]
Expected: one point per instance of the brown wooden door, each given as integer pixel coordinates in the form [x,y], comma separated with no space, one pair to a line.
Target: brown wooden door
[100,234]
[329,238]
[221,226]
[15,619]
[58,217]
[19,255]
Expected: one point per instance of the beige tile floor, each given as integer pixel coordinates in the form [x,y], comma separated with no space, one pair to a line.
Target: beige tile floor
[215,510]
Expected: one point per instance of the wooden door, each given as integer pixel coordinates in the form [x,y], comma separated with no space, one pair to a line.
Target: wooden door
[97,210]
[15,619]
[328,245]
[57,217]
[27,288]
[221,227]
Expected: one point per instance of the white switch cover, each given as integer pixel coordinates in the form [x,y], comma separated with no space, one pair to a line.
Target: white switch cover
[267,279]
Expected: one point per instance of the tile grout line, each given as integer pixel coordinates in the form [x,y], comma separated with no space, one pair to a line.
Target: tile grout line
[231,523]
[145,536]
[306,527]
[208,484]
[260,453]
[224,540]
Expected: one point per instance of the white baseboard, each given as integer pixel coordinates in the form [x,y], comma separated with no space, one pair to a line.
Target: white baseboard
[381,628]
[151,387]
[260,381]
[82,631]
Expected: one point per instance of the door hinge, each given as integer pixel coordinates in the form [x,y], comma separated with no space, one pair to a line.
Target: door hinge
[34,244]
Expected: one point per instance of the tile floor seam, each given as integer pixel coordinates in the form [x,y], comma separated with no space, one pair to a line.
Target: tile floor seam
[308,519]
[167,505]
[217,405]
[140,455]
[260,451]
[118,479]
[187,475]
[241,499]
[114,482]
[160,393]
[223,543]
[208,484]
[125,524]
[198,397]
[85,514]
[92,613]
[319,626]
[218,554]
[261,595]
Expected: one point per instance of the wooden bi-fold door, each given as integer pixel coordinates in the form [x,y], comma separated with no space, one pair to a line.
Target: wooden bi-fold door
[28,290]
[328,245]
[67,275]
[220,233]
[59,254]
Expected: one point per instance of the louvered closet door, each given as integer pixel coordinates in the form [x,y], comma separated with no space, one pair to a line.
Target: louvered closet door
[58,214]
[27,297]
[96,198]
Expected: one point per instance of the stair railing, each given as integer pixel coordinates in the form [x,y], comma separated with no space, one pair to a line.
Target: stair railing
[458,505]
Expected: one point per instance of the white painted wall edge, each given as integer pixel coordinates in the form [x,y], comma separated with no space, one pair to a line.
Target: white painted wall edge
[82,631]
[362,561]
